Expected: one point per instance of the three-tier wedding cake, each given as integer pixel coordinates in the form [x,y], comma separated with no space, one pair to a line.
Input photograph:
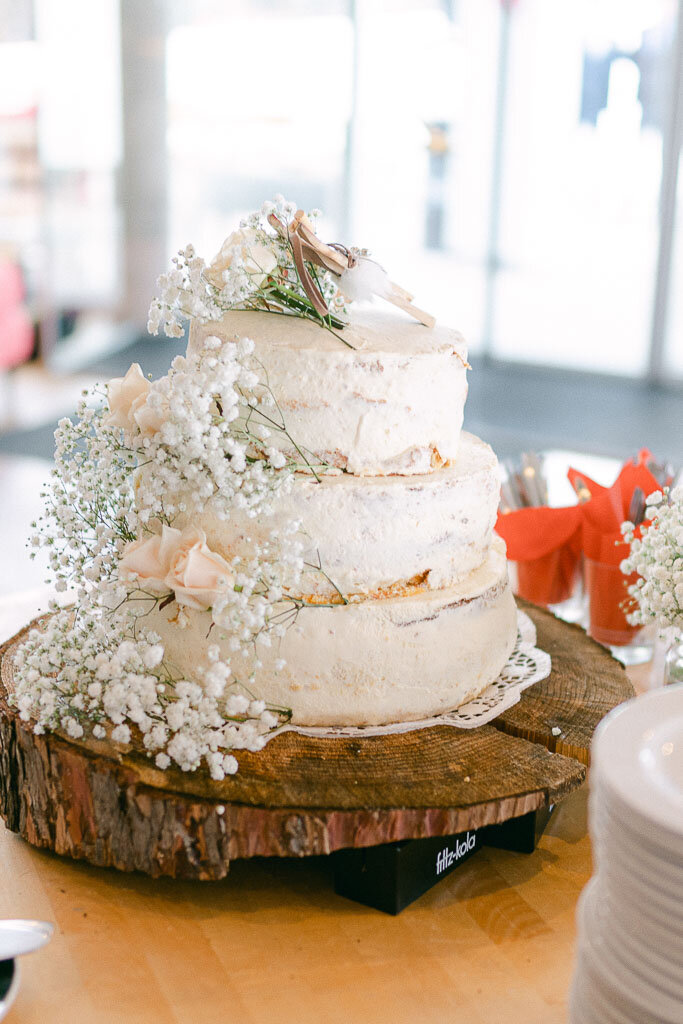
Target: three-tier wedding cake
[413,614]
[288,525]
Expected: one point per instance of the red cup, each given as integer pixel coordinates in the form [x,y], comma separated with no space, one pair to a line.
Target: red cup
[551,578]
[608,601]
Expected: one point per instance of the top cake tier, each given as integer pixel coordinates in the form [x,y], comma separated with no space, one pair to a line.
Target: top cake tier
[391,405]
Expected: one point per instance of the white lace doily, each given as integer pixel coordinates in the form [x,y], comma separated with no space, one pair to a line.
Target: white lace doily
[525,666]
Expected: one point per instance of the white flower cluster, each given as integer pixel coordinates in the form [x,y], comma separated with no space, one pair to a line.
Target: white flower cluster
[83,671]
[89,512]
[254,269]
[214,440]
[183,295]
[657,557]
[204,433]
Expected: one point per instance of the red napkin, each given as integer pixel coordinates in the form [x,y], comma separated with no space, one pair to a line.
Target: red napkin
[604,550]
[608,509]
[546,544]
[531,533]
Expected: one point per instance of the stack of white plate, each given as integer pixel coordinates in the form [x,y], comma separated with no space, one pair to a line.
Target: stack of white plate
[629,967]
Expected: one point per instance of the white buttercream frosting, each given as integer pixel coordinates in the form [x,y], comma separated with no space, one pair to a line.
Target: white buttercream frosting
[375,661]
[405,532]
[391,405]
[375,533]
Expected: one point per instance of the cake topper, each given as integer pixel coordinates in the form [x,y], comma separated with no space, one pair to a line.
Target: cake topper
[275,263]
[360,277]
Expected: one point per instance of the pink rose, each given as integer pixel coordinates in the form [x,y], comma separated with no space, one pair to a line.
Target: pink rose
[177,561]
[149,561]
[258,260]
[150,417]
[125,395]
[197,574]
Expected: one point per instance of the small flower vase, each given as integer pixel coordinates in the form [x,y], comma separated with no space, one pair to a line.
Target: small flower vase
[673,665]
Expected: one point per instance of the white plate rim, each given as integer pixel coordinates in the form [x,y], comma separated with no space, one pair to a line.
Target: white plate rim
[639,898]
[651,999]
[650,955]
[39,931]
[612,834]
[659,882]
[617,744]
[591,997]
[659,843]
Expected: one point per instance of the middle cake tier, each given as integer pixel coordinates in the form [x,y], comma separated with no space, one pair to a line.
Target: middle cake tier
[378,535]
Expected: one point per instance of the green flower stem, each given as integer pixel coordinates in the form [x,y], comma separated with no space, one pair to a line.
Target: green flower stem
[291,300]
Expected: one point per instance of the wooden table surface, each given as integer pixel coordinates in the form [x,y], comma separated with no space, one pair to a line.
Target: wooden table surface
[493,942]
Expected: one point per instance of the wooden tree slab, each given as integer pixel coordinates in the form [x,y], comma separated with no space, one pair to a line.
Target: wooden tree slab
[300,795]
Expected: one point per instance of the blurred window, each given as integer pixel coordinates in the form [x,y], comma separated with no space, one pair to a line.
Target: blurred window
[259,101]
[79,139]
[59,152]
[585,105]
[379,113]
[673,350]
[503,157]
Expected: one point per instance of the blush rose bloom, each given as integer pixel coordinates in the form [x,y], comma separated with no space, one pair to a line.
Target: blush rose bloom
[150,415]
[129,407]
[259,260]
[149,561]
[181,562]
[125,395]
[198,574]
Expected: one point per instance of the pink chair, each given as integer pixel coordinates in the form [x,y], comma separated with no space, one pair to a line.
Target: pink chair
[16,329]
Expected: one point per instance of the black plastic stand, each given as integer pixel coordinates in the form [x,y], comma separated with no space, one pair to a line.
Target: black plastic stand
[391,876]
[519,834]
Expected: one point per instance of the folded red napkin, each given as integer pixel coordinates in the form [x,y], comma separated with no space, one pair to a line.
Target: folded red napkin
[608,508]
[604,549]
[547,543]
[531,533]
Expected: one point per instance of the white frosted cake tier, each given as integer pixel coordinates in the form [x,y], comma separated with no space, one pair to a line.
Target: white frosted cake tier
[391,405]
[375,661]
[375,534]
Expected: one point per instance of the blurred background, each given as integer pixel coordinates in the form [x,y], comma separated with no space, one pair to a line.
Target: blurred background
[513,162]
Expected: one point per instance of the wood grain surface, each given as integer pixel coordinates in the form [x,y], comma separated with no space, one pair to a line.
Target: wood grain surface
[305,796]
[490,944]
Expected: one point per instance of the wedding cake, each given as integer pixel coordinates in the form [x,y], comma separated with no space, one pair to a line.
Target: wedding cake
[403,525]
[291,524]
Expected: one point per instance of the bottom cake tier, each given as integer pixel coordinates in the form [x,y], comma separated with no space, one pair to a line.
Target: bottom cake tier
[374,661]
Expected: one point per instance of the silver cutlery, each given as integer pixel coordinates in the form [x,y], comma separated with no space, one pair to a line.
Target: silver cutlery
[524,485]
[636,508]
[582,489]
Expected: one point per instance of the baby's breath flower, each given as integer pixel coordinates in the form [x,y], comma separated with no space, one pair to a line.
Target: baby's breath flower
[98,667]
[209,435]
[255,269]
[657,557]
